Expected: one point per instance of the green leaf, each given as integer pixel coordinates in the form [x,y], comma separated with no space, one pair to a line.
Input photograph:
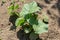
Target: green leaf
[27,16]
[32,21]
[10,9]
[33,36]
[33,7]
[16,6]
[41,27]
[29,8]
[25,10]
[19,21]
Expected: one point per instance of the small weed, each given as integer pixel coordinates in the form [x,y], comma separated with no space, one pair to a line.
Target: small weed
[12,8]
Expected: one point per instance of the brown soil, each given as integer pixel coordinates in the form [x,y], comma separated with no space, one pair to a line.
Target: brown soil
[9,32]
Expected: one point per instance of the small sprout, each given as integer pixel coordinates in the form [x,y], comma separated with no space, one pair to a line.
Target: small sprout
[12,9]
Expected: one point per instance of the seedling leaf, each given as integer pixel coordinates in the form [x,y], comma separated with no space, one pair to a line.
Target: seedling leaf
[16,7]
[41,27]
[19,21]
[29,8]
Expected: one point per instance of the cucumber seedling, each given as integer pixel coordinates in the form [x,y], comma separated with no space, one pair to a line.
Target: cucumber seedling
[28,16]
[28,19]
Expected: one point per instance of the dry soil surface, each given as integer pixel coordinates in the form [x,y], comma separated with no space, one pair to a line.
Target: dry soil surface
[51,7]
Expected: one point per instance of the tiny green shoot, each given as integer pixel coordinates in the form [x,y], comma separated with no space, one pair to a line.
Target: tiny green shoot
[12,8]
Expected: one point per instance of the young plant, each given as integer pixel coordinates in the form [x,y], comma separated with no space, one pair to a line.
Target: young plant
[12,8]
[28,19]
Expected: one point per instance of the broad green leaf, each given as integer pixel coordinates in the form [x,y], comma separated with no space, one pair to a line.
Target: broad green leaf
[25,10]
[29,8]
[19,21]
[33,7]
[32,21]
[28,16]
[33,36]
[41,27]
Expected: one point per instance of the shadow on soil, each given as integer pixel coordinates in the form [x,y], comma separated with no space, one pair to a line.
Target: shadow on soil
[47,1]
[22,36]
[58,7]
[12,19]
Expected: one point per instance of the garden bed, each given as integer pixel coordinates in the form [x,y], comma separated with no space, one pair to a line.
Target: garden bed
[9,32]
